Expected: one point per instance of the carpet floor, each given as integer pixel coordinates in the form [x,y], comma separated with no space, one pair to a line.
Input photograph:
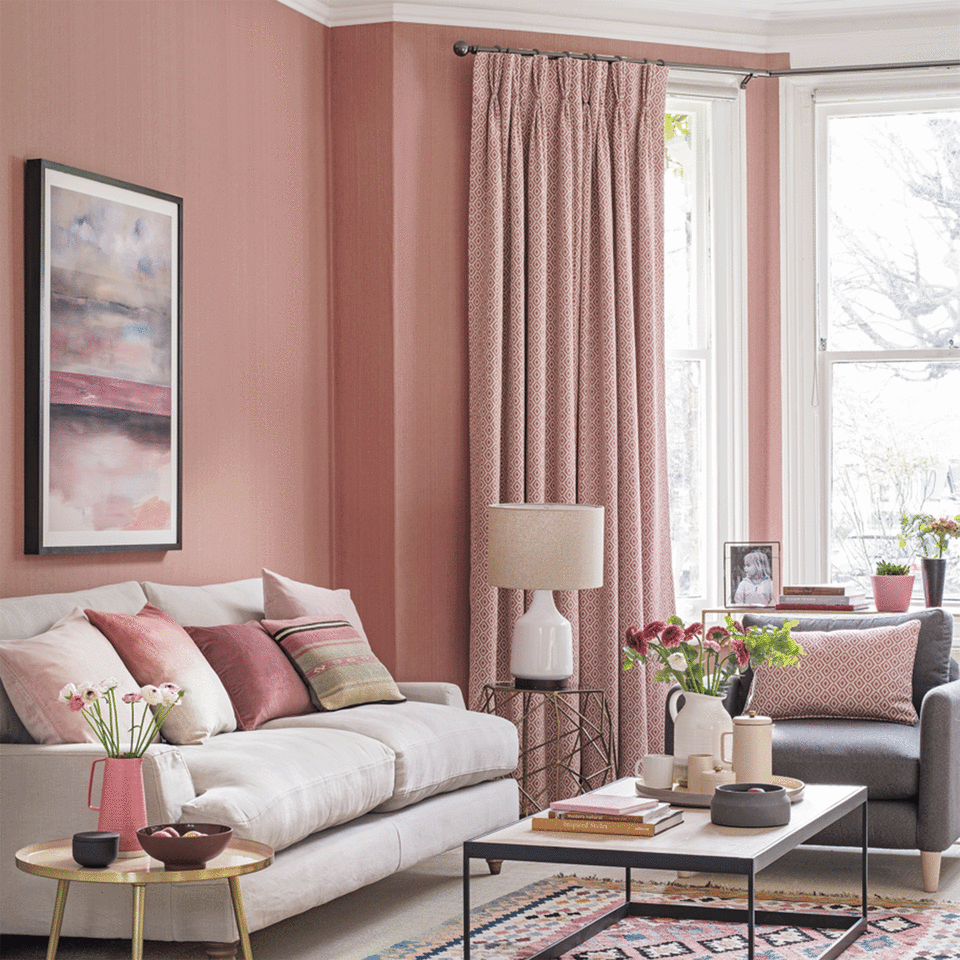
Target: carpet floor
[520,924]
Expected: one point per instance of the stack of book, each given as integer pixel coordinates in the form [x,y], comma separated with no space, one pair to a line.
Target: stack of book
[824,596]
[606,813]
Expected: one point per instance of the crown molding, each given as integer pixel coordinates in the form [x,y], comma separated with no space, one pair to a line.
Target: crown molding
[814,32]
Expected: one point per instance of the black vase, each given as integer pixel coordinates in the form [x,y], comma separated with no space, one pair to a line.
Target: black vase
[934,573]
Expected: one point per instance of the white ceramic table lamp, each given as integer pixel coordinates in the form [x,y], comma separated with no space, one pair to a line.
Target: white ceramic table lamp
[544,547]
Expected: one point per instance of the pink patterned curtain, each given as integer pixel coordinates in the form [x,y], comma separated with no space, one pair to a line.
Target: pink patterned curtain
[566,352]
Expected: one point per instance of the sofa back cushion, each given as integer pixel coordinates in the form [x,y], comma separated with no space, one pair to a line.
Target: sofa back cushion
[286,599]
[931,663]
[210,605]
[25,617]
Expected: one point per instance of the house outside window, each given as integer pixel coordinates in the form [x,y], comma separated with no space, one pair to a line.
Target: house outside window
[871,336]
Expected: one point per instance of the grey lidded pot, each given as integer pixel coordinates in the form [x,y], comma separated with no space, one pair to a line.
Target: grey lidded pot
[96,848]
[733,805]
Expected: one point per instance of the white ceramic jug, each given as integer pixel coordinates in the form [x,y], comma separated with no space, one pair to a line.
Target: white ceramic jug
[752,748]
[697,727]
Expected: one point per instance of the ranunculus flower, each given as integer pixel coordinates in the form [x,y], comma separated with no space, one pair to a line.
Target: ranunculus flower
[170,692]
[653,630]
[68,692]
[152,695]
[694,630]
[76,704]
[132,697]
[109,684]
[677,660]
[718,634]
[741,651]
[89,693]
[672,636]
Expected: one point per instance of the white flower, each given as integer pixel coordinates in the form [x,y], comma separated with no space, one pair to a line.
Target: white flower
[170,692]
[152,695]
[106,685]
[677,660]
[89,693]
[68,692]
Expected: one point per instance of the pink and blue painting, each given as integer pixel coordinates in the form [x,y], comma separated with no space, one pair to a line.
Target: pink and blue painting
[108,453]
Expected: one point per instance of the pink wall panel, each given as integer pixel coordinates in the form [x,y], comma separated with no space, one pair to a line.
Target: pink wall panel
[224,104]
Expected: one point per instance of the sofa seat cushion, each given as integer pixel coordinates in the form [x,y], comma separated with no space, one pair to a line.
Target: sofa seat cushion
[884,757]
[279,786]
[437,748]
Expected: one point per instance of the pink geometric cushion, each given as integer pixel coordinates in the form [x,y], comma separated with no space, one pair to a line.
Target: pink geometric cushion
[853,674]
[335,661]
[156,649]
[261,681]
[35,670]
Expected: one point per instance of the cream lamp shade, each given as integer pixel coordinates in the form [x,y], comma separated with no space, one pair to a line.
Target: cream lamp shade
[544,547]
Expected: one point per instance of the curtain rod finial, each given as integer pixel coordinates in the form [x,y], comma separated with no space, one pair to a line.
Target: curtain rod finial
[461,48]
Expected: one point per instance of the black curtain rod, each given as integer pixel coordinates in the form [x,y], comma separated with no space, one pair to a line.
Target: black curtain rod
[461,48]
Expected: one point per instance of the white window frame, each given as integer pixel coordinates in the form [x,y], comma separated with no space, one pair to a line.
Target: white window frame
[805,374]
[722,316]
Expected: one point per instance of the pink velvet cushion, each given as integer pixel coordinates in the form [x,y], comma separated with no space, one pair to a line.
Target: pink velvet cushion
[335,661]
[35,670]
[156,649]
[261,681]
[286,599]
[854,674]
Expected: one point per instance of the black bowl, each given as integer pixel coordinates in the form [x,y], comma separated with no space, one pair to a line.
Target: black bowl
[96,848]
[750,805]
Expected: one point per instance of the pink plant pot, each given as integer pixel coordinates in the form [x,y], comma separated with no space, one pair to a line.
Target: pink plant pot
[892,594]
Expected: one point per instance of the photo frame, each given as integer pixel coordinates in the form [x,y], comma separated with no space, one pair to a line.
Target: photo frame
[103,349]
[751,574]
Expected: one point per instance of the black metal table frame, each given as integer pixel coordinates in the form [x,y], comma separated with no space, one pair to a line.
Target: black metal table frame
[852,924]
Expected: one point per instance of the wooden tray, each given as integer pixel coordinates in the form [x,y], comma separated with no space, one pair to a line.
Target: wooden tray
[680,797]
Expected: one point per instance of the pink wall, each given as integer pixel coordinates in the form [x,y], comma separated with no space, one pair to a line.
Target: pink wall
[401,180]
[224,104]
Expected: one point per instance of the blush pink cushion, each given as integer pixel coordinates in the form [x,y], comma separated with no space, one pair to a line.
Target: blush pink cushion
[854,674]
[262,683]
[335,661]
[35,670]
[286,599]
[156,649]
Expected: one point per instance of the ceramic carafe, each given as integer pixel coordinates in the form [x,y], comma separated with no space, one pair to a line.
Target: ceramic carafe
[752,748]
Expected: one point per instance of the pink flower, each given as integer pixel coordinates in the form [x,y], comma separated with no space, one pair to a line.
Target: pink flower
[75,704]
[637,641]
[132,697]
[672,636]
[653,629]
[718,634]
[738,627]
[712,645]
[694,630]
[741,651]
[170,692]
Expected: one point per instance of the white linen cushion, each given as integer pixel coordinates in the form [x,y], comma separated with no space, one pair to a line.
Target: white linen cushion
[279,786]
[211,605]
[35,670]
[437,748]
[286,599]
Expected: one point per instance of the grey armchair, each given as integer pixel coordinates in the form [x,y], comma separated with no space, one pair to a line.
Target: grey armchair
[912,773]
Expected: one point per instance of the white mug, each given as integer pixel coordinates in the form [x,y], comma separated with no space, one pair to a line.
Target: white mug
[656,770]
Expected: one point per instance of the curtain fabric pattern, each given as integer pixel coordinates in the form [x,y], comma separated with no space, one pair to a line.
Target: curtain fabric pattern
[567,399]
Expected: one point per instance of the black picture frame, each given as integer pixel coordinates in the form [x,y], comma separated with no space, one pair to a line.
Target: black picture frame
[103,438]
[751,574]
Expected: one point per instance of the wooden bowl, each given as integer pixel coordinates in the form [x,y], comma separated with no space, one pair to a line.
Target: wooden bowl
[185,853]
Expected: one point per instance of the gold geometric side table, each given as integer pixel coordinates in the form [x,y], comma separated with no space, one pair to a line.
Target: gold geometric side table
[54,859]
[556,728]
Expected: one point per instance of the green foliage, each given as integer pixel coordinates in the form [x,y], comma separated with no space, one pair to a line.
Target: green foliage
[887,569]
[930,533]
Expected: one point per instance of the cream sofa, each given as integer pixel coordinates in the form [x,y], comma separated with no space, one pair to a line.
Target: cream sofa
[345,797]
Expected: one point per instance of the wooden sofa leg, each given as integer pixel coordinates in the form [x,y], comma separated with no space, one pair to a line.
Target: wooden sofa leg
[930,867]
[222,951]
[495,866]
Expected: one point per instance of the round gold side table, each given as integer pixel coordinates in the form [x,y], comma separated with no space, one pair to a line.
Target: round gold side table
[54,859]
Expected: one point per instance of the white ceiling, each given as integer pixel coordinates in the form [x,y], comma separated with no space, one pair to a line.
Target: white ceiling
[814,32]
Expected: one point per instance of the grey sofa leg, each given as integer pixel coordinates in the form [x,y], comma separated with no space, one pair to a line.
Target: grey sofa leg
[930,867]
[222,951]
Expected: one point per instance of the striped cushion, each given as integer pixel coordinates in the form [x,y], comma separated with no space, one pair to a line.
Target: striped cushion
[336,662]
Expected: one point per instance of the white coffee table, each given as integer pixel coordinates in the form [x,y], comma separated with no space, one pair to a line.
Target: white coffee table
[694,845]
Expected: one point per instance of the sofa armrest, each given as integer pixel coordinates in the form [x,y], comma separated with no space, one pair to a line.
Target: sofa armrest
[448,694]
[938,820]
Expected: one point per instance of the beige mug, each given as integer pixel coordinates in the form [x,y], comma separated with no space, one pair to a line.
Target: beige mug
[697,765]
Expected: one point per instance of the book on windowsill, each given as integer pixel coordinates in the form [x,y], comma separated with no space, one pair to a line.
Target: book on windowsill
[611,827]
[641,816]
[603,803]
[850,600]
[823,590]
[835,607]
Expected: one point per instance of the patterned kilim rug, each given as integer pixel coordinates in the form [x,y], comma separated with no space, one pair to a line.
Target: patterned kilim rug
[518,925]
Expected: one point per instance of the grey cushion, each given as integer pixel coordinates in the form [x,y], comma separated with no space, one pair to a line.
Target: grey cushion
[931,665]
[884,757]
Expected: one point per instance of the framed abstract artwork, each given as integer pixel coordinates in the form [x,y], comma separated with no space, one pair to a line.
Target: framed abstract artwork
[751,574]
[103,345]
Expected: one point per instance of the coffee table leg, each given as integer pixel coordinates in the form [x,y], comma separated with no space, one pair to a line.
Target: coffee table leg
[241,918]
[58,907]
[751,915]
[466,906]
[139,898]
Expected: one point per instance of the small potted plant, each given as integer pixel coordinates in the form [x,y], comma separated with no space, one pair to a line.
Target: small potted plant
[892,587]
